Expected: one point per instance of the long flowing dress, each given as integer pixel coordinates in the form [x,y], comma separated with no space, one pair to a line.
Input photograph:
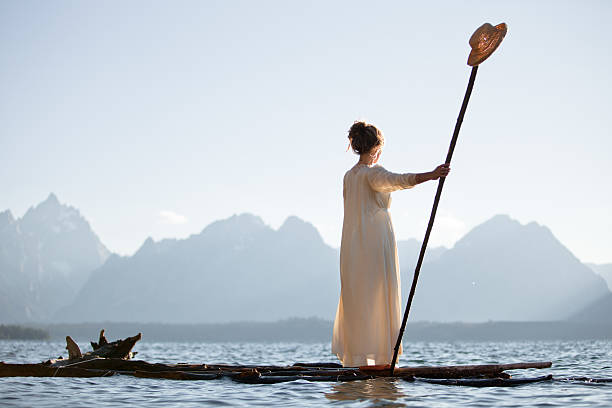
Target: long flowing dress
[368,317]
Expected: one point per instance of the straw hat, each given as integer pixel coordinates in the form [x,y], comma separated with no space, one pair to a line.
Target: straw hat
[484,41]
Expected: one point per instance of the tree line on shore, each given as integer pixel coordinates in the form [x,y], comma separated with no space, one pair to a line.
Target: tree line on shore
[15,332]
[311,330]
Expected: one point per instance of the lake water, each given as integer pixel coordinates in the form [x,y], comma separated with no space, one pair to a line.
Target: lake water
[580,358]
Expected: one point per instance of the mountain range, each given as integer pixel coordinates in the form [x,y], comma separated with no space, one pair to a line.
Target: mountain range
[502,270]
[54,268]
[603,270]
[235,269]
[45,258]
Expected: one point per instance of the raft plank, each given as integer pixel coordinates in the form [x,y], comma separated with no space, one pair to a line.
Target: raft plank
[487,382]
[40,370]
[176,375]
[460,371]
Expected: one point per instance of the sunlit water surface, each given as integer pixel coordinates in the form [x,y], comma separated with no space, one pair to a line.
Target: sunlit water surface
[579,358]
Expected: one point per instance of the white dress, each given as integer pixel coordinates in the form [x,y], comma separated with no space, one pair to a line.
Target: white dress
[368,317]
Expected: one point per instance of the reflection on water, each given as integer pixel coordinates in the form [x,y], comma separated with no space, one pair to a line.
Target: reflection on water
[375,390]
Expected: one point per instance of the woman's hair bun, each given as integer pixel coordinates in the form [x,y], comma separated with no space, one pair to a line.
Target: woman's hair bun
[364,137]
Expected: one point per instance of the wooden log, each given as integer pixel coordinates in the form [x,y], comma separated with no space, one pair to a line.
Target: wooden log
[74,351]
[456,371]
[129,365]
[138,365]
[39,370]
[487,382]
[132,365]
[265,380]
[318,365]
[255,377]
[312,373]
[503,374]
[177,375]
[259,367]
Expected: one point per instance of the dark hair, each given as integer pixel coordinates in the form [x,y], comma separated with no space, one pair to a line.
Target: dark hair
[364,137]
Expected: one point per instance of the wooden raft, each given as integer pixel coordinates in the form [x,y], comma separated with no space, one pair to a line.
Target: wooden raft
[108,359]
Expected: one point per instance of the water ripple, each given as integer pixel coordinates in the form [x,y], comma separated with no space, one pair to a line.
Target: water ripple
[570,359]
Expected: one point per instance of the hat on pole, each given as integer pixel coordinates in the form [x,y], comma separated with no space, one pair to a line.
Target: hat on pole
[485,41]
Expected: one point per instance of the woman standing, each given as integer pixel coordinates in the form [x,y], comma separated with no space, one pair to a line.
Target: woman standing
[368,317]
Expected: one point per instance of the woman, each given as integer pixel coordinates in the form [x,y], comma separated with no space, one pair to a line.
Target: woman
[368,317]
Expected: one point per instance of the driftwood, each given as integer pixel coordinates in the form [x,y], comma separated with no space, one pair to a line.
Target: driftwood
[465,371]
[44,370]
[488,382]
[74,351]
[117,349]
[120,349]
[113,358]
[177,375]
[101,341]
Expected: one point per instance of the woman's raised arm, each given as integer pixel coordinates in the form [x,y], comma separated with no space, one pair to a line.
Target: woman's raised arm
[386,181]
[440,171]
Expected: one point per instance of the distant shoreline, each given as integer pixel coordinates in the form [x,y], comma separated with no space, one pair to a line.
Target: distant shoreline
[17,332]
[313,330]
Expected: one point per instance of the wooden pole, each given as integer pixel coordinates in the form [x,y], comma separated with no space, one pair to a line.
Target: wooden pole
[449,156]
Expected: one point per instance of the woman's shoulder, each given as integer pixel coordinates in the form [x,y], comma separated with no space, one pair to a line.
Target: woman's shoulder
[376,168]
[363,169]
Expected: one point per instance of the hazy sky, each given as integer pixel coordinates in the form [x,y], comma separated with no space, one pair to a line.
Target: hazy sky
[157,118]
